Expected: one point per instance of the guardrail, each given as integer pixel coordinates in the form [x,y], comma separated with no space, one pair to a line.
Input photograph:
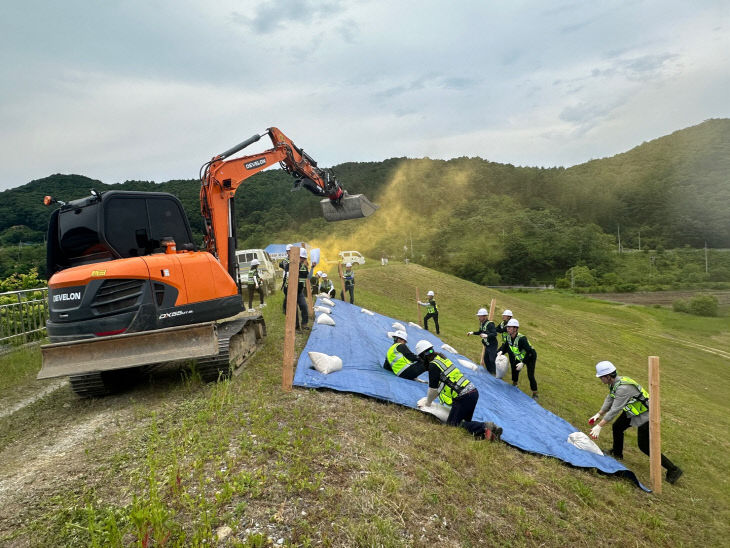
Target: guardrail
[23,315]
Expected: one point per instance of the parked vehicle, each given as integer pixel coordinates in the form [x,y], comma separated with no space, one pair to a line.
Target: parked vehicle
[267,268]
[351,257]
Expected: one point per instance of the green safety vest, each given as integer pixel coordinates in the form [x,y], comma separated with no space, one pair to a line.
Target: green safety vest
[452,382]
[505,335]
[638,404]
[514,347]
[432,308]
[349,276]
[253,276]
[326,286]
[398,362]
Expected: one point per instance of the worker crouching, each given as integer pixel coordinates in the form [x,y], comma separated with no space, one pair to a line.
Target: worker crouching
[630,402]
[400,360]
[446,382]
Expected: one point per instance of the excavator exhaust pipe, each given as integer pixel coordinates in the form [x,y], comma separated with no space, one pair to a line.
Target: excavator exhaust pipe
[353,206]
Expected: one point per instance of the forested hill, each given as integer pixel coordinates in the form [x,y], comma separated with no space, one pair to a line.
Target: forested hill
[509,222]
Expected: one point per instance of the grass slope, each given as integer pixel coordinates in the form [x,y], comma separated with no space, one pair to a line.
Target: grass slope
[175,463]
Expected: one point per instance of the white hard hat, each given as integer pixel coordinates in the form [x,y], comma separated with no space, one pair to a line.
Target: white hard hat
[422,346]
[319,273]
[429,294]
[604,368]
[507,312]
[482,312]
[348,265]
[255,262]
[303,253]
[288,247]
[513,323]
[399,333]
[323,275]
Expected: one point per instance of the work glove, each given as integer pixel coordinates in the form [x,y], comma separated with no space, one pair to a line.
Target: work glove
[596,431]
[499,353]
[594,418]
[422,402]
[519,366]
[469,333]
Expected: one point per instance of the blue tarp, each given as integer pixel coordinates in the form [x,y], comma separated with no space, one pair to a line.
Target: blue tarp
[361,341]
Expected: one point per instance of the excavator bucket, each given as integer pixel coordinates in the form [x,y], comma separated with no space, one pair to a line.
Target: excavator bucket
[128,350]
[352,206]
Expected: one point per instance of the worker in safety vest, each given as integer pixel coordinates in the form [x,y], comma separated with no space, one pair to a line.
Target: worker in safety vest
[400,360]
[520,354]
[432,311]
[488,332]
[349,277]
[453,389]
[254,283]
[628,401]
[284,265]
[326,285]
[302,288]
[502,327]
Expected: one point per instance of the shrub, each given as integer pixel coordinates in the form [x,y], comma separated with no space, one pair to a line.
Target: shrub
[680,305]
[703,305]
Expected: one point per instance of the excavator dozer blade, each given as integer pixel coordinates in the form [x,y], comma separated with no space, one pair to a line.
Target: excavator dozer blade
[128,350]
[352,206]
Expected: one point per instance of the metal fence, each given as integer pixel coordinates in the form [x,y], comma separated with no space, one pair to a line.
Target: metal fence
[23,316]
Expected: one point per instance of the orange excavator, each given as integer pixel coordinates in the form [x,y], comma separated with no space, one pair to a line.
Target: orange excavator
[128,290]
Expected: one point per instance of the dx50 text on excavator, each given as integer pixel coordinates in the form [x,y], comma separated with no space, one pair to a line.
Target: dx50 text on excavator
[128,290]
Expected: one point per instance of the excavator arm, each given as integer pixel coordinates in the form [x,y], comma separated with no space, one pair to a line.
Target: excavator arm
[221,177]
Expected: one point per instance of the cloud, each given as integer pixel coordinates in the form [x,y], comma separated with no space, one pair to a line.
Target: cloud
[275,15]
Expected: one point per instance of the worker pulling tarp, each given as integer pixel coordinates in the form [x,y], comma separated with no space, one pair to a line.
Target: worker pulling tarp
[361,341]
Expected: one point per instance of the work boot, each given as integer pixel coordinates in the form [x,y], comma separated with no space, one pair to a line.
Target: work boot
[617,456]
[492,432]
[534,395]
[674,474]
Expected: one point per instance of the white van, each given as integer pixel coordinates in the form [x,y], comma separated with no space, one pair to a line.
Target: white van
[267,268]
[351,257]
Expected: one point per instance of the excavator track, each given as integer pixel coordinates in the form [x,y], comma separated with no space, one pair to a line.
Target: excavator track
[96,384]
[237,340]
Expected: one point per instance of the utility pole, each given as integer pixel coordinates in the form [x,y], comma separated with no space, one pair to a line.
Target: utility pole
[706,266]
[619,239]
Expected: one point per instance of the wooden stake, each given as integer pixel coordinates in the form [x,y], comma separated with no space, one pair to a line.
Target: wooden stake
[342,280]
[287,369]
[310,301]
[655,439]
[418,308]
[492,305]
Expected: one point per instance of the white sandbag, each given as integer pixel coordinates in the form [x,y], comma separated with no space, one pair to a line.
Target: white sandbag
[314,256]
[328,302]
[415,325]
[582,441]
[366,311]
[468,364]
[437,410]
[398,325]
[449,348]
[324,363]
[323,309]
[325,319]
[502,365]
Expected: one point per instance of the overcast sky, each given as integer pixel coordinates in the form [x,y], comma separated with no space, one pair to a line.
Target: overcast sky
[151,89]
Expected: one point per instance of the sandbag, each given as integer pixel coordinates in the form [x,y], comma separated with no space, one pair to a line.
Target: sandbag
[398,325]
[323,309]
[502,365]
[437,410]
[467,364]
[582,441]
[415,325]
[325,364]
[325,319]
[328,302]
[314,256]
[366,311]
[449,348]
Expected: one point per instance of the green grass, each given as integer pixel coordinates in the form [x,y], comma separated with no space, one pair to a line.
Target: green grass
[326,468]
